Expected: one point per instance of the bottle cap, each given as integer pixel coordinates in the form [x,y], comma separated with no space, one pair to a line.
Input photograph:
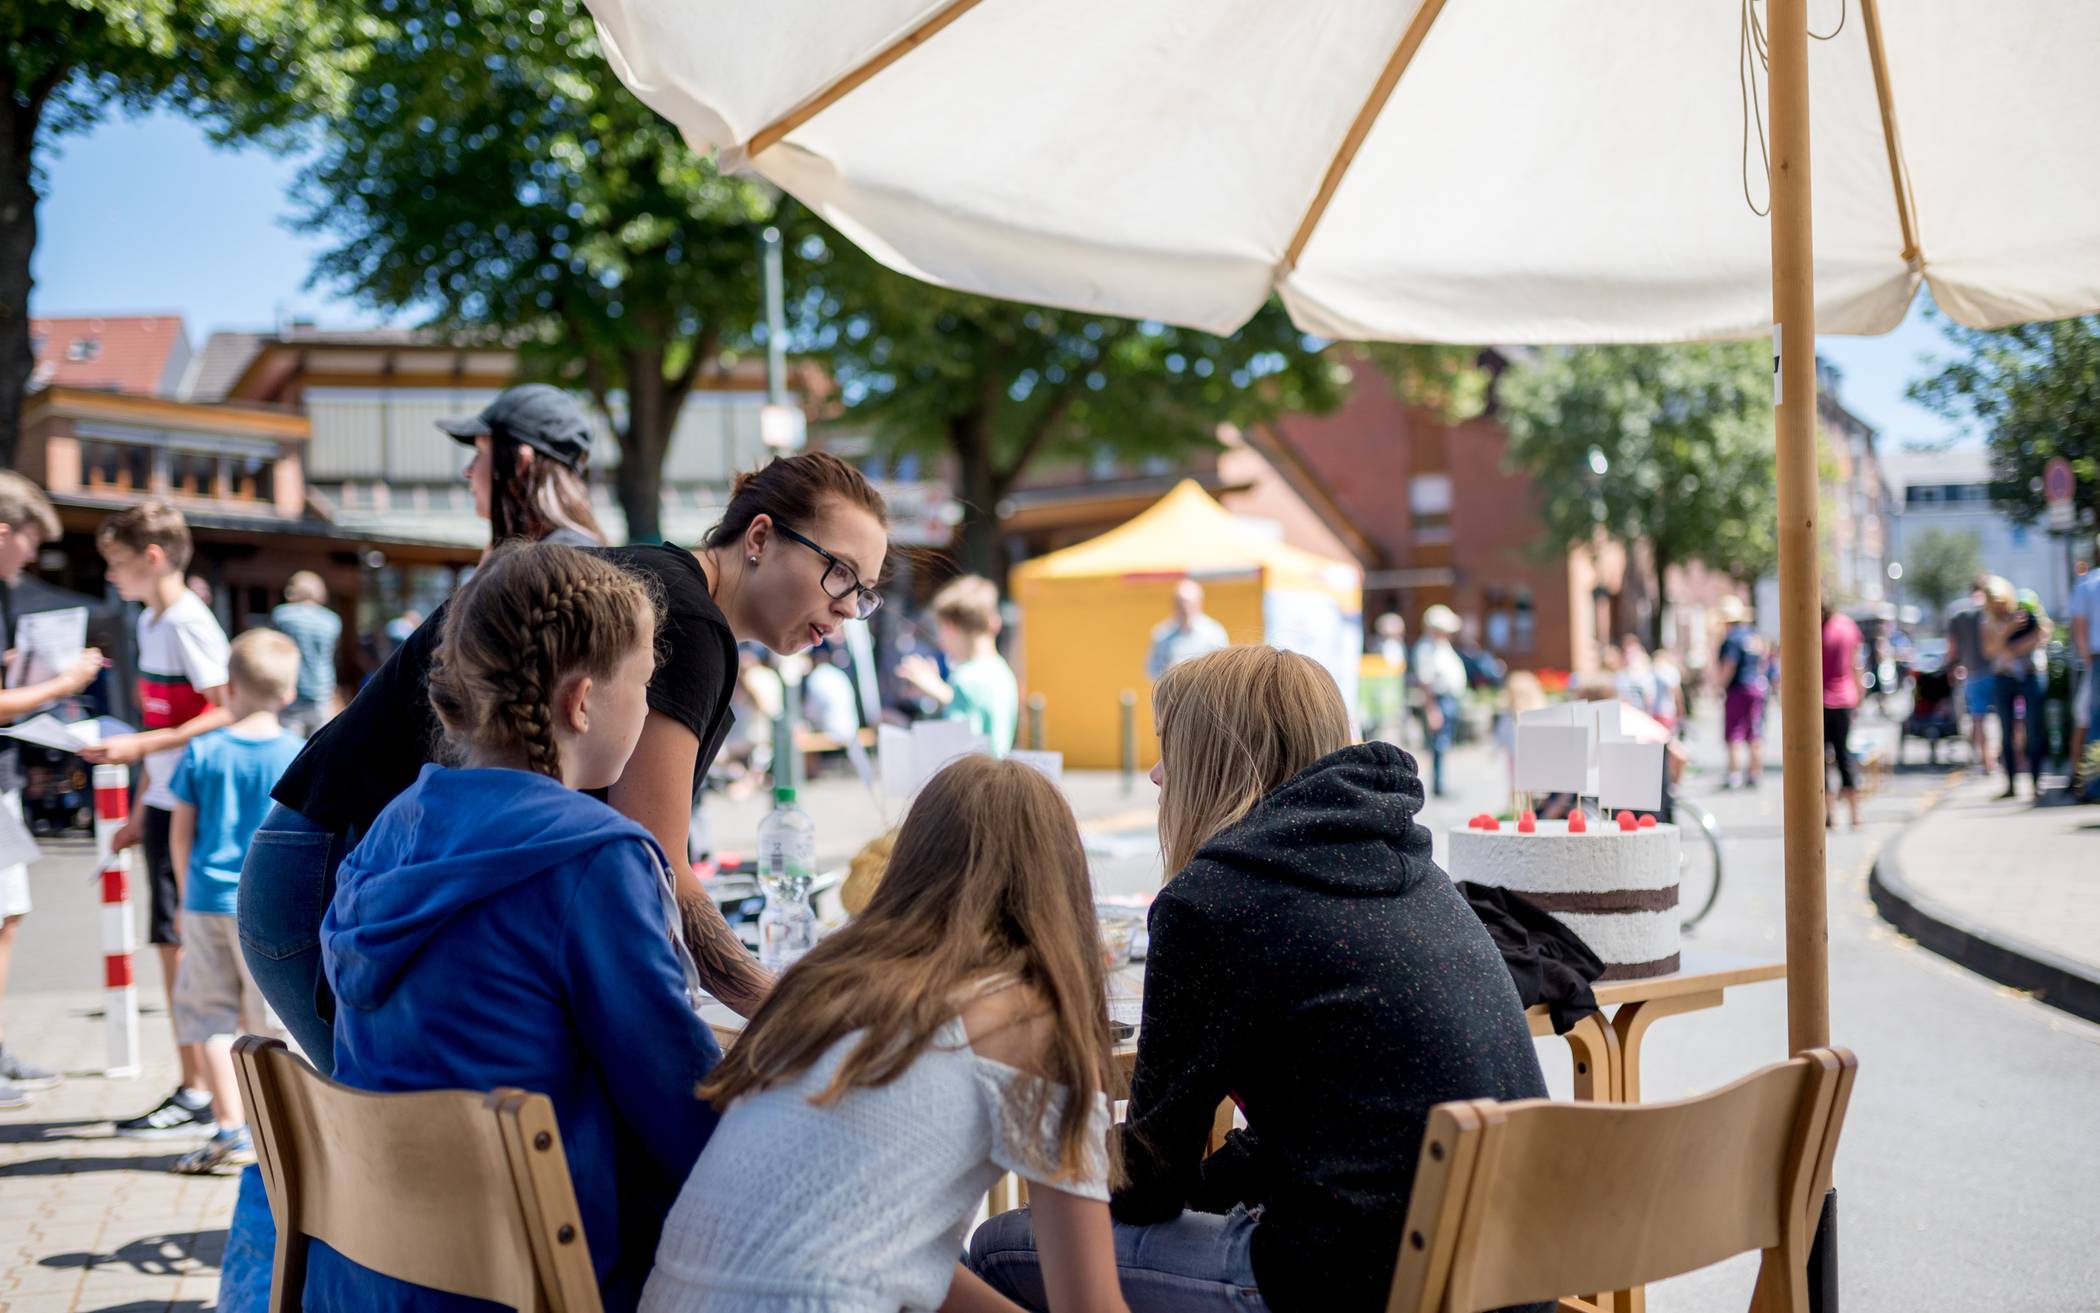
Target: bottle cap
[784,794]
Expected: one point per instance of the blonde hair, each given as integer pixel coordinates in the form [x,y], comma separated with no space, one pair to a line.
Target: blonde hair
[988,880]
[1234,726]
[306,586]
[1524,691]
[534,615]
[265,663]
[22,504]
[970,603]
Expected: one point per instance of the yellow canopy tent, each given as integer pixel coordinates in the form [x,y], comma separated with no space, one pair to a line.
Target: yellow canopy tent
[1088,612]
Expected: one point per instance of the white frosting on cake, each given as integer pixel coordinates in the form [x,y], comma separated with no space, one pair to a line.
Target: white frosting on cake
[1616,889]
[1554,861]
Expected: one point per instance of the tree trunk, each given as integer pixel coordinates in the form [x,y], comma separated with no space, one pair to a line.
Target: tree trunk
[980,490]
[651,414]
[1662,596]
[18,198]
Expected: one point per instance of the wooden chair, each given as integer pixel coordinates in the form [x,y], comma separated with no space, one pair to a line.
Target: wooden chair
[465,1192]
[1521,1202]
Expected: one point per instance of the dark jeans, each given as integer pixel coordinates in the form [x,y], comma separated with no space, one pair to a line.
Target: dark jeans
[2026,690]
[286,884]
[1441,739]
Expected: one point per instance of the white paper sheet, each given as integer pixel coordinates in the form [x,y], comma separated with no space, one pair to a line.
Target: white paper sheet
[1552,758]
[1560,713]
[48,731]
[47,643]
[1630,776]
[899,777]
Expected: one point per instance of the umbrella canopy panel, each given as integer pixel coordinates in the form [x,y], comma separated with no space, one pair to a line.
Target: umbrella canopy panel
[1470,170]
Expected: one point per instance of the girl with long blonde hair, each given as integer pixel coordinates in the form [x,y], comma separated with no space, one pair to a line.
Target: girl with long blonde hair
[1311,962]
[955,1029]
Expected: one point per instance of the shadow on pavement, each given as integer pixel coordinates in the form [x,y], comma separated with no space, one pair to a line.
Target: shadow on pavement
[38,1132]
[183,1253]
[156,1164]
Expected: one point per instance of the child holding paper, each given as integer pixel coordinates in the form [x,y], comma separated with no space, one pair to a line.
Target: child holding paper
[27,522]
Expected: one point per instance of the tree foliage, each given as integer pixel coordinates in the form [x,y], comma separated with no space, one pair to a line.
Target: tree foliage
[245,68]
[1000,387]
[2035,389]
[1940,565]
[1671,445]
[490,172]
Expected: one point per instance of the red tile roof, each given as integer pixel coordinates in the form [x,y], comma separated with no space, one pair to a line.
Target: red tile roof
[139,354]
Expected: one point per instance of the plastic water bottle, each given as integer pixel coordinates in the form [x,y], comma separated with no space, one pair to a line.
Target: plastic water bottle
[787,865]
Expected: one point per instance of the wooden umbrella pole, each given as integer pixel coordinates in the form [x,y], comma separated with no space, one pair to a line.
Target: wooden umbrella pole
[1800,625]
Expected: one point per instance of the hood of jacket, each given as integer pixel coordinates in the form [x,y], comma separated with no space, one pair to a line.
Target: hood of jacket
[1344,825]
[452,840]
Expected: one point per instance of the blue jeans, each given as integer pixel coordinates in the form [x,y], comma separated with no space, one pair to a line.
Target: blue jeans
[1197,1263]
[1441,739]
[2027,688]
[286,883]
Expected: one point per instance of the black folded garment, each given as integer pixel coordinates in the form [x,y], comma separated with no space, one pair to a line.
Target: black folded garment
[1549,962]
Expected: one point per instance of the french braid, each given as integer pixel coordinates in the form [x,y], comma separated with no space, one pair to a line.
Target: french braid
[534,616]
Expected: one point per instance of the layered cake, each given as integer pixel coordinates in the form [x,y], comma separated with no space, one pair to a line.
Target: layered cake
[1615,887]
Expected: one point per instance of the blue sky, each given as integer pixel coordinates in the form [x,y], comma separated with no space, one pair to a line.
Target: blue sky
[146,215]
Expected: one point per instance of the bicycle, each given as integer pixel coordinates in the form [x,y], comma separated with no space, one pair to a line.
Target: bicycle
[1698,859]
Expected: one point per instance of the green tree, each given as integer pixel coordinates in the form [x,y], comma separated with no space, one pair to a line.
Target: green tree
[1940,566]
[246,68]
[1671,445]
[489,171]
[2035,389]
[998,387]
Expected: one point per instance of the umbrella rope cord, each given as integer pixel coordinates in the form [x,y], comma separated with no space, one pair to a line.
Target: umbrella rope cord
[1751,56]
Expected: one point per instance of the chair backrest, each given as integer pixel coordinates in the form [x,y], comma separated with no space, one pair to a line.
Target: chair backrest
[1520,1202]
[465,1192]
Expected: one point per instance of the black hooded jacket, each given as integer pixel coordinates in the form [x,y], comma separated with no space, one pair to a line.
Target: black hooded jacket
[1315,963]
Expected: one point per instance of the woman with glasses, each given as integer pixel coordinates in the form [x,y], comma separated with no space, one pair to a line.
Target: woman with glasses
[796,555]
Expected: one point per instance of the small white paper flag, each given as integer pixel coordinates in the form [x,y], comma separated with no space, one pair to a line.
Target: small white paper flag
[1632,776]
[1552,758]
[900,775]
[1560,713]
[1611,726]
[1051,764]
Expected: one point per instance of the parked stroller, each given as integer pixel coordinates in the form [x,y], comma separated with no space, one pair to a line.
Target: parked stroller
[1933,714]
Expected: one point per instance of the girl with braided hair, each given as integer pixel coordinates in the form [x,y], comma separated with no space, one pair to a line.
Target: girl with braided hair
[798,552]
[499,927]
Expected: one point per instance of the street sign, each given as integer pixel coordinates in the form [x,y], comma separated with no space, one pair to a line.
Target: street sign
[2058,486]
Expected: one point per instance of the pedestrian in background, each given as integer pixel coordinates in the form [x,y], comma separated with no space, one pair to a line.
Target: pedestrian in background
[222,791]
[315,630]
[27,522]
[2015,630]
[1841,689]
[980,689]
[1744,673]
[1189,633]
[1383,686]
[1441,675]
[2085,640]
[1973,670]
[182,656]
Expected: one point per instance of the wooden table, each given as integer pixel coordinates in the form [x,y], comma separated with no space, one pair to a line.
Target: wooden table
[1607,1047]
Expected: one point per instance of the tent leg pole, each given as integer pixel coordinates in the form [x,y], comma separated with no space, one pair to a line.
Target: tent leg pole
[1800,624]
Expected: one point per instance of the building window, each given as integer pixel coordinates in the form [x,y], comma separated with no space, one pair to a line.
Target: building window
[84,348]
[251,478]
[192,473]
[1429,507]
[1526,621]
[116,467]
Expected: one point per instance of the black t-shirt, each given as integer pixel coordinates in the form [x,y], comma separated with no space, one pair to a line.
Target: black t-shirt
[371,753]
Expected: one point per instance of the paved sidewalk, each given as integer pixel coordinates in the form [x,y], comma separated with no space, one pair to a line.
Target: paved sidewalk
[89,1221]
[2005,888]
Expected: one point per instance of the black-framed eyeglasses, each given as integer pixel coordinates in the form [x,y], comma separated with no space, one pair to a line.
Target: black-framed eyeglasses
[840,579]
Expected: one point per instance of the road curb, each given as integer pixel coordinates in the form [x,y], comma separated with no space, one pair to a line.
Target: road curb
[2052,978]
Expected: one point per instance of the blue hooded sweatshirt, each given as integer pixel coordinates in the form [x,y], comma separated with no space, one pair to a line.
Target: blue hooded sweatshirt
[495,928]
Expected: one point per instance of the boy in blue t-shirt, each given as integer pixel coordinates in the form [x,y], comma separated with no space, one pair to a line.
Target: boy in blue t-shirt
[222,790]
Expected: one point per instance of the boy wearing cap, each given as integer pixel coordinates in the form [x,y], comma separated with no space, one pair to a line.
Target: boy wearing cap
[532,448]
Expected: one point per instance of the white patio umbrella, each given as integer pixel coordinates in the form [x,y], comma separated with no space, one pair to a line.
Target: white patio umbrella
[1549,171]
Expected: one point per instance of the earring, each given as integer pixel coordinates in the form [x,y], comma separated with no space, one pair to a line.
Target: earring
[754,560]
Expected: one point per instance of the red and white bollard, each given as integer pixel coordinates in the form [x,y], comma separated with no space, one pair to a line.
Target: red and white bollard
[119,931]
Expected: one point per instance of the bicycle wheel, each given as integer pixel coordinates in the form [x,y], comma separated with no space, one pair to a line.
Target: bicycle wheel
[1699,862]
